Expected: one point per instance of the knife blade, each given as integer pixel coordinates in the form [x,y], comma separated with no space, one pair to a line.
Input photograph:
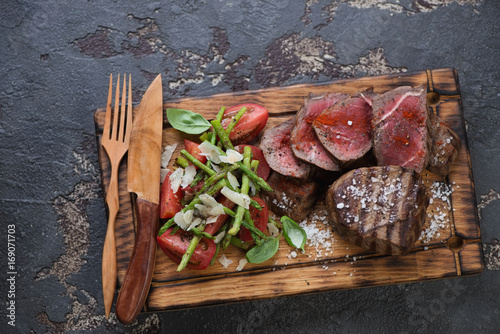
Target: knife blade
[143,169]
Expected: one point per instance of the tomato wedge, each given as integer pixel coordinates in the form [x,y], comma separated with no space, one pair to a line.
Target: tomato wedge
[260,219]
[263,169]
[194,150]
[170,202]
[176,245]
[250,124]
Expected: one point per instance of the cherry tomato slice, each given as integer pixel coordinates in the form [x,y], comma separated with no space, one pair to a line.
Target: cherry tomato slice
[176,245]
[170,202]
[250,124]
[263,169]
[215,227]
[260,219]
[194,150]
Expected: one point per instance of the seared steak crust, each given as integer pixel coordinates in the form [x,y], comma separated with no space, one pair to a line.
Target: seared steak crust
[400,128]
[445,146]
[292,197]
[380,208]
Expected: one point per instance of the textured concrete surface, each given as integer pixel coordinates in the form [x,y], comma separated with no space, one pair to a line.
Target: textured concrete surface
[55,58]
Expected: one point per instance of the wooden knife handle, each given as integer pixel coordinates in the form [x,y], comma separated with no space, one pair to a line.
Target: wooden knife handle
[135,287]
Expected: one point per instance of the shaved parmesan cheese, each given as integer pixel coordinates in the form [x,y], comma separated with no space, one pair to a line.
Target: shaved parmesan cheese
[188,216]
[231,157]
[225,261]
[237,198]
[273,230]
[253,188]
[203,209]
[179,220]
[210,151]
[176,179]
[233,181]
[197,221]
[219,237]
[216,167]
[167,155]
[189,174]
[211,219]
[208,200]
[217,210]
[163,174]
[241,264]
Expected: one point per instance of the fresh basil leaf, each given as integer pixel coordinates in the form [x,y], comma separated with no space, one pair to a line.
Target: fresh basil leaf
[293,233]
[187,121]
[264,252]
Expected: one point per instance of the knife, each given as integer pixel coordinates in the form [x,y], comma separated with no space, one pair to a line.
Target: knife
[144,158]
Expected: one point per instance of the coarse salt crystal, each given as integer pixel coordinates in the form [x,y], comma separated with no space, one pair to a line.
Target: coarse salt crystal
[340,205]
[349,123]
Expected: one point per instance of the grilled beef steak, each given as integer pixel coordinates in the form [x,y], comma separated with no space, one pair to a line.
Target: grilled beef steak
[400,128]
[275,145]
[380,208]
[305,143]
[445,145]
[292,197]
[345,129]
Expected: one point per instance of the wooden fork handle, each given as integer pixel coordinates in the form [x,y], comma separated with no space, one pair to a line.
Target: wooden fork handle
[109,250]
[137,281]
[109,268]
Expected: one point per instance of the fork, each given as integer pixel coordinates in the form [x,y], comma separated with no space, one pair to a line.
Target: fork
[115,141]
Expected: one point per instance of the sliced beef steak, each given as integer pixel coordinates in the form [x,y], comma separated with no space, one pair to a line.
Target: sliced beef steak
[345,129]
[275,145]
[400,128]
[305,143]
[445,146]
[368,95]
[379,208]
[292,197]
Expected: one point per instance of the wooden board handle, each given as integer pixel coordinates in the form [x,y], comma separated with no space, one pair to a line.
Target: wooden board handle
[137,281]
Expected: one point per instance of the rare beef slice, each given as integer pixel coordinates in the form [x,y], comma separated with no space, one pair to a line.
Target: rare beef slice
[275,145]
[305,144]
[381,208]
[400,128]
[345,128]
[291,196]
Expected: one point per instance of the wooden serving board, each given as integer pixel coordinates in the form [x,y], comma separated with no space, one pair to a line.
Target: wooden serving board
[454,249]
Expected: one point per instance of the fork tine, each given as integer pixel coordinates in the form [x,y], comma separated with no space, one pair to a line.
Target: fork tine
[107,120]
[114,131]
[128,130]
[122,110]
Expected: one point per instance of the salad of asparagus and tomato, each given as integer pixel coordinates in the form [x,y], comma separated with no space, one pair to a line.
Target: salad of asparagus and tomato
[211,200]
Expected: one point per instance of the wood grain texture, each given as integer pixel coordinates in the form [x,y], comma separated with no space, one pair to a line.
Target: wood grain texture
[343,265]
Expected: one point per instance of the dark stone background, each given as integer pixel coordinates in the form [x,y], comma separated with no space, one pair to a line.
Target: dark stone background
[55,59]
